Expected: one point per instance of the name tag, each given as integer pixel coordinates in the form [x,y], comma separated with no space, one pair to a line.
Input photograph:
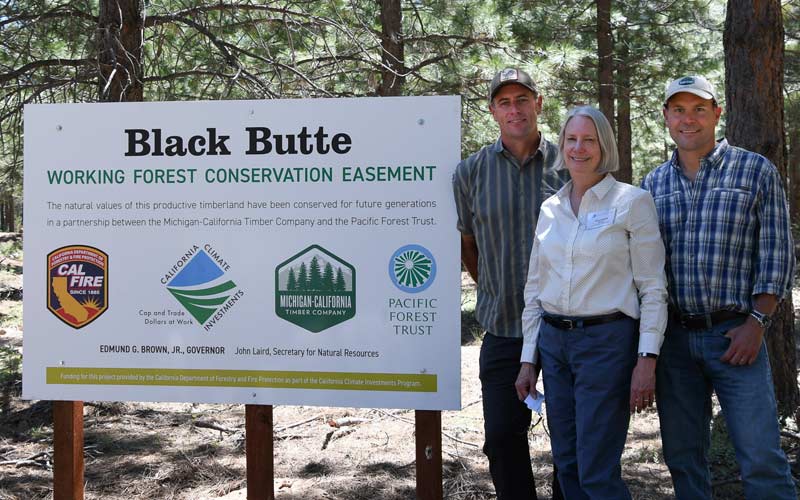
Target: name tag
[600,219]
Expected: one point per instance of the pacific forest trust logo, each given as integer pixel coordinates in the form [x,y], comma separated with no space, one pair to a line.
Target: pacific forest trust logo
[412,268]
[77,282]
[315,289]
[199,283]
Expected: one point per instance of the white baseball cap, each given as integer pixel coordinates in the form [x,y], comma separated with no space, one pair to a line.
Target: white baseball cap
[693,84]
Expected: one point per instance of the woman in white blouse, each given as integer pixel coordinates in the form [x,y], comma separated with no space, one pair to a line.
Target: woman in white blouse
[595,309]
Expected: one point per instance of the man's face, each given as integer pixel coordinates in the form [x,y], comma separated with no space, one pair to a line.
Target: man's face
[691,121]
[516,109]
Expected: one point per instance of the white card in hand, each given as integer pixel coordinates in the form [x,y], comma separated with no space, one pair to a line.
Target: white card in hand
[535,403]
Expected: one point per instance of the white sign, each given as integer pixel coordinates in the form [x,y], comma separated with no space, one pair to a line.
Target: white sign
[264,252]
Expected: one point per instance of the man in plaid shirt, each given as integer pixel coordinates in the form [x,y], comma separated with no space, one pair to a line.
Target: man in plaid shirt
[725,224]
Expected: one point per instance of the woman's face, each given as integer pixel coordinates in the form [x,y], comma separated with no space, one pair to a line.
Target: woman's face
[581,146]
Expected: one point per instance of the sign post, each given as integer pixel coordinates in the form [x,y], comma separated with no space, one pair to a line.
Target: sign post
[68,450]
[428,430]
[259,449]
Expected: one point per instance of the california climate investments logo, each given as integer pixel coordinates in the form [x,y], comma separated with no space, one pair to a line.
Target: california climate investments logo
[77,283]
[198,282]
[412,268]
[315,289]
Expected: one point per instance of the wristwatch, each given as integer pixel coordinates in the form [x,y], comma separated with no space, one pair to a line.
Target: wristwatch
[648,355]
[763,319]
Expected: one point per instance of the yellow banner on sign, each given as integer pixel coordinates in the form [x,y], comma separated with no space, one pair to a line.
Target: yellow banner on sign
[176,377]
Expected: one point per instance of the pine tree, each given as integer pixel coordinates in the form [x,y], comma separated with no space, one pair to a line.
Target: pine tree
[302,277]
[327,278]
[315,275]
[339,285]
[291,283]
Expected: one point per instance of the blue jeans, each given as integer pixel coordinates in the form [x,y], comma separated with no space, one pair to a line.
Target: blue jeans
[587,383]
[689,368]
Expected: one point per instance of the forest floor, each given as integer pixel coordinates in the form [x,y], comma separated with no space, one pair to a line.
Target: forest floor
[196,451]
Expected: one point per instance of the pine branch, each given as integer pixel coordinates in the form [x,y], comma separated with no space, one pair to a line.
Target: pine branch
[57,13]
[44,63]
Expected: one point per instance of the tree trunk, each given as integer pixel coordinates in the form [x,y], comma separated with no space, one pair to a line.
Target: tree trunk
[392,57]
[10,216]
[120,28]
[7,214]
[605,55]
[625,173]
[753,42]
[794,172]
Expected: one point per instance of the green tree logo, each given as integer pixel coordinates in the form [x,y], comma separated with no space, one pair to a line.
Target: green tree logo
[315,289]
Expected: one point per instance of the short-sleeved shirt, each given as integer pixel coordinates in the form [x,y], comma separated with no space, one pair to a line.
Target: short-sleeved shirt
[727,234]
[498,202]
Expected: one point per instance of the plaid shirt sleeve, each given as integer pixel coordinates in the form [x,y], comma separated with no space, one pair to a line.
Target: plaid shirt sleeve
[775,260]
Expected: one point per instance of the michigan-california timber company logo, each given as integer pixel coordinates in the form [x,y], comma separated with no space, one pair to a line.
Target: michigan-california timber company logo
[77,283]
[315,289]
[198,281]
[412,268]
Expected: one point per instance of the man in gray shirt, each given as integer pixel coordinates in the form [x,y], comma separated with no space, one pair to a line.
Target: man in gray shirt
[498,191]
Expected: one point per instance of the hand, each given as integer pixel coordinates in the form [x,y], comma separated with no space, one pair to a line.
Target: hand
[526,380]
[745,343]
[643,384]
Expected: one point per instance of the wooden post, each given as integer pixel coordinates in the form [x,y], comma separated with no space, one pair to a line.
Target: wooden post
[68,450]
[258,447]
[429,454]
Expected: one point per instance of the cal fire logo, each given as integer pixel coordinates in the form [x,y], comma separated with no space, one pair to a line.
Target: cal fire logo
[77,282]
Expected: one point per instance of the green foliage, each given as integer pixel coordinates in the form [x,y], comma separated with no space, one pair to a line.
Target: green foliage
[471,331]
[24,39]
[250,49]
[791,21]
[12,249]
[10,367]
[653,41]
[11,316]
[40,433]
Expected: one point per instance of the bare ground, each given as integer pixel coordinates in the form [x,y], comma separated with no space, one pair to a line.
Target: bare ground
[196,451]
